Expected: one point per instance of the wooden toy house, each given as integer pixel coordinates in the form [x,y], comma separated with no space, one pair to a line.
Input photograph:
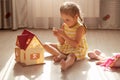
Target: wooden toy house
[29,50]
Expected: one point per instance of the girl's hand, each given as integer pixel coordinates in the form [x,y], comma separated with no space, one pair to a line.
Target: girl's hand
[61,32]
[55,31]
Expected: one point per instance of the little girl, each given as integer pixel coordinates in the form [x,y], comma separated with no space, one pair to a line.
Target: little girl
[71,36]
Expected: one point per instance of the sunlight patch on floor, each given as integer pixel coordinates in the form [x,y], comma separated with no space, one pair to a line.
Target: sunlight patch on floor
[99,73]
[4,73]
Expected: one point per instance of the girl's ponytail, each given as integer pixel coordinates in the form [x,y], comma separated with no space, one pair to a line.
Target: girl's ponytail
[82,21]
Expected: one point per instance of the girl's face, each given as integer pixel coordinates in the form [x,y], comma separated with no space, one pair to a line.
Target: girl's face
[69,20]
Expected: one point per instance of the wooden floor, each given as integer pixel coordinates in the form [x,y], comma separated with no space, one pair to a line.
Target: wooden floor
[107,41]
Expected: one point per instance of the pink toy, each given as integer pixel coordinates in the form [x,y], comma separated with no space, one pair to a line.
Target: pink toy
[110,61]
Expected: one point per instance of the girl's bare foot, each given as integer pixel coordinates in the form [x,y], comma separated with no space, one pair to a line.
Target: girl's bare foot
[63,65]
[59,58]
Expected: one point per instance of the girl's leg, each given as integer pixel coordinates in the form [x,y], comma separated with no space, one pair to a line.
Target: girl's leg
[59,57]
[68,62]
[52,49]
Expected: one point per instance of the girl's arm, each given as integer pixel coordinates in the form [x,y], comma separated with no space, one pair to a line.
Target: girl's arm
[56,33]
[79,34]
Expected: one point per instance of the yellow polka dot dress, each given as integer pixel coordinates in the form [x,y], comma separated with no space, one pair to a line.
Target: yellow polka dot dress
[79,51]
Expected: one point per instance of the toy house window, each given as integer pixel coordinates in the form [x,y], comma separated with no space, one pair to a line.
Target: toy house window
[34,56]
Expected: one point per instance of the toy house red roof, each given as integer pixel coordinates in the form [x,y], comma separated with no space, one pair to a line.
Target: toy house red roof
[24,39]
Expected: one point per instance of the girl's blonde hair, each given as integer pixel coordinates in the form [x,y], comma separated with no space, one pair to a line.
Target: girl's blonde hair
[71,8]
